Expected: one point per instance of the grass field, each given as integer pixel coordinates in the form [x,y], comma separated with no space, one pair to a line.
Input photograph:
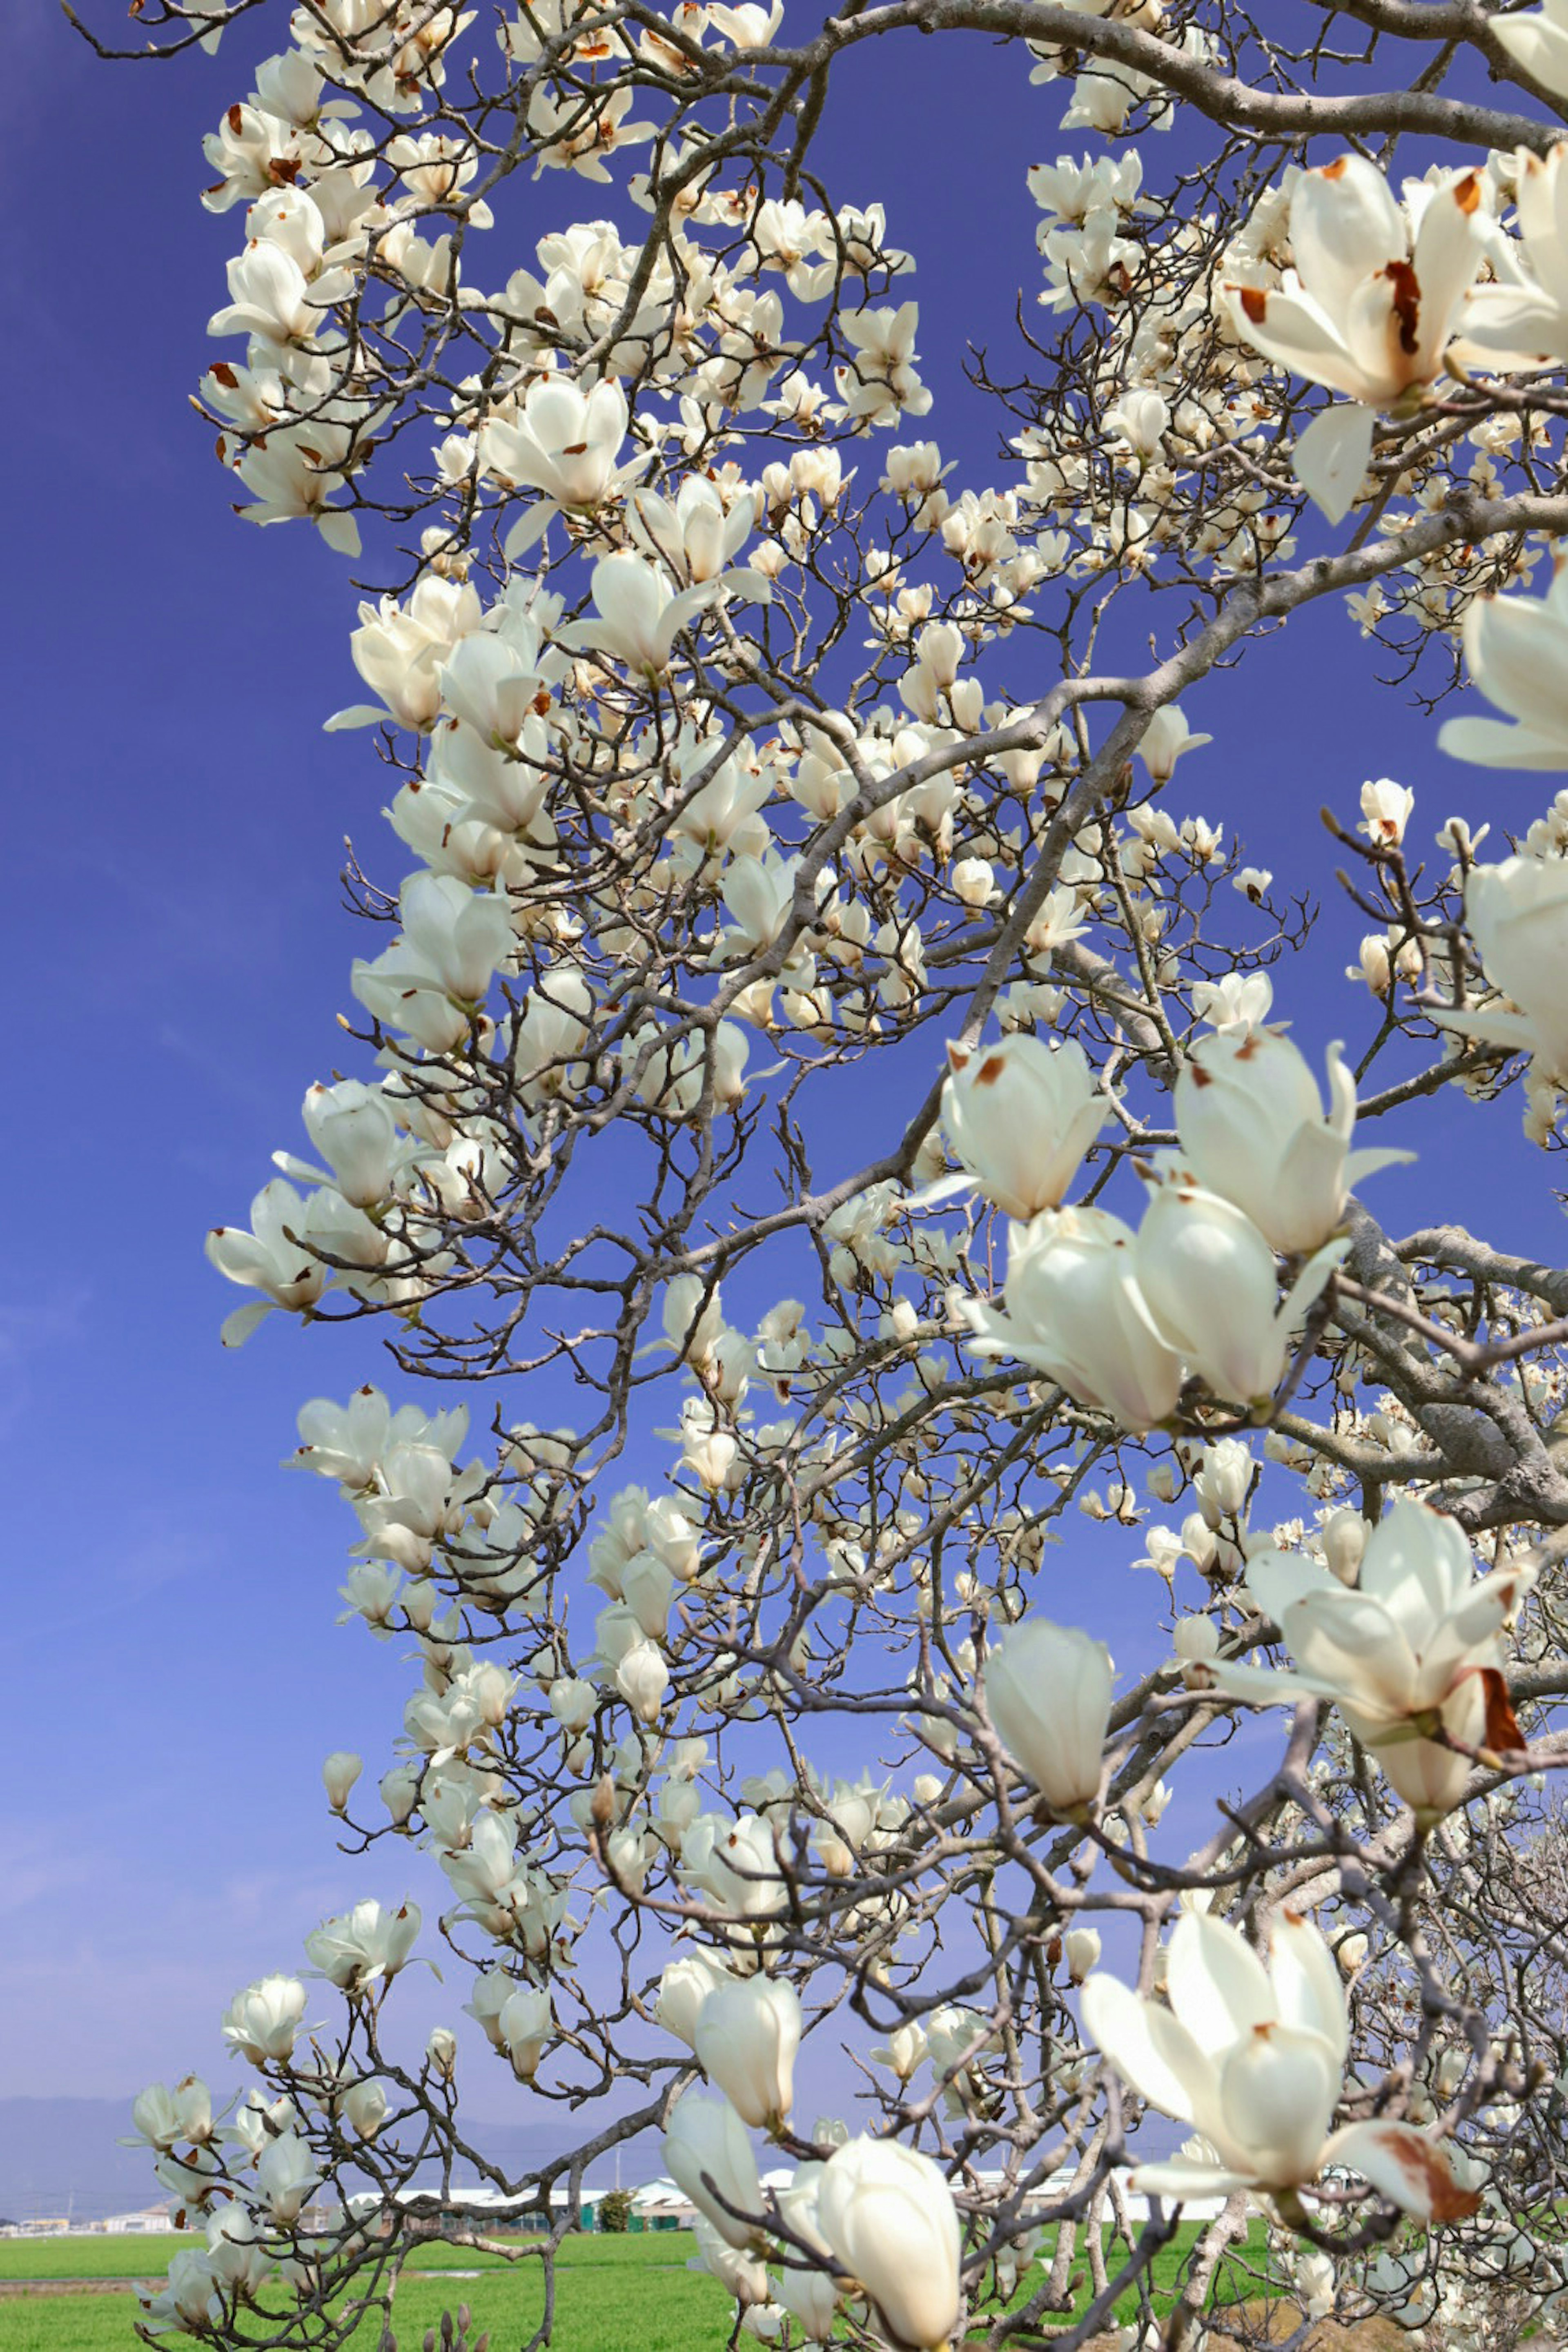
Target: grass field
[613,2295]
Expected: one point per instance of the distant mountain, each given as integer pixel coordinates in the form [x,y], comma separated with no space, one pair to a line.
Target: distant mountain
[59,2156]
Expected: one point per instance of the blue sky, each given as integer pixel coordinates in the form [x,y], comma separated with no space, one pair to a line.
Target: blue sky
[178,953]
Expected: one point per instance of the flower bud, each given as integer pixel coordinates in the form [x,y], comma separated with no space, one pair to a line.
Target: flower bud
[339,1773]
[1049,1690]
[1080,1949]
[1344,1538]
[747,2034]
[709,2156]
[888,2215]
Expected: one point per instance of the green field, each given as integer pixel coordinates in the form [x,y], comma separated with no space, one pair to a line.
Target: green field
[613,2295]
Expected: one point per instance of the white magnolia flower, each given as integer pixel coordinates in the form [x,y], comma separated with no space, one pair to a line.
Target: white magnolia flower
[164,2117]
[398,650]
[1255,2059]
[365,1946]
[431,982]
[261,2023]
[565,443]
[1074,1310]
[1209,1279]
[272,1257]
[339,1773]
[1253,1128]
[285,2174]
[709,2156]
[355,1130]
[1385,809]
[694,535]
[1166,739]
[1518,914]
[1048,1688]
[639,615]
[683,1988]
[523,2025]
[1516,648]
[1021,1116]
[812,2295]
[747,2036]
[1411,1648]
[273,299]
[366,2107]
[888,2216]
[1368,309]
[1080,1951]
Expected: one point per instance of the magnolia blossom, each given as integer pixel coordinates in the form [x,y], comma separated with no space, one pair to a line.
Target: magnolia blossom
[339,1773]
[695,535]
[261,2023]
[1255,2059]
[809,2293]
[565,444]
[1210,1282]
[1021,1114]
[272,1257]
[1166,739]
[683,1989]
[164,2117]
[1516,648]
[709,2156]
[431,982]
[1519,318]
[523,2025]
[1366,311]
[746,2036]
[398,651]
[355,1128]
[1518,914]
[639,615]
[1412,1648]
[888,2216]
[1253,1128]
[286,2173]
[365,1946]
[1074,1310]
[1049,1690]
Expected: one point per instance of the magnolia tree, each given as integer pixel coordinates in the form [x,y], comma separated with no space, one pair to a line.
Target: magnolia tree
[770,800]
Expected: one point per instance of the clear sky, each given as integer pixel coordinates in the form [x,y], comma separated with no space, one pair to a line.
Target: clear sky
[177,951]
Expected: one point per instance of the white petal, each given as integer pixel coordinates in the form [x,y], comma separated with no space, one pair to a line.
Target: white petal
[1331,458]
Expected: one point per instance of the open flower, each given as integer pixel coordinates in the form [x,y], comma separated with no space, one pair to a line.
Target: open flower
[266,1259]
[1021,1116]
[1254,2059]
[1519,318]
[565,444]
[1411,1649]
[1074,1310]
[1253,1128]
[638,615]
[1367,311]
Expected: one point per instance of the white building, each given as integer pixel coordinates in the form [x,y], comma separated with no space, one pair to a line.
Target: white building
[147,2221]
